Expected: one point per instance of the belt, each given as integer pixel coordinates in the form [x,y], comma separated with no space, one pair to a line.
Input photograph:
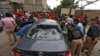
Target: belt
[76,38]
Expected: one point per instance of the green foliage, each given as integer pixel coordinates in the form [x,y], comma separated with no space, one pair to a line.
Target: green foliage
[65,4]
[57,9]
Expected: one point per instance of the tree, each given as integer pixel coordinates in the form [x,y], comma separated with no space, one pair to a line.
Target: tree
[64,4]
[57,9]
[67,3]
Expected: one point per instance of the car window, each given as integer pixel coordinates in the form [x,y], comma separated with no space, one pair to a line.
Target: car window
[44,32]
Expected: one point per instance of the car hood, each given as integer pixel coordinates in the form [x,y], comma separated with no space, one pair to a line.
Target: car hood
[42,45]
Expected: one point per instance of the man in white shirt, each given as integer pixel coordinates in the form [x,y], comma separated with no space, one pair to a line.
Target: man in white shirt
[69,19]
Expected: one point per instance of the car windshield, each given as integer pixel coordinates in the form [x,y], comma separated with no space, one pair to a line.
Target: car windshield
[44,32]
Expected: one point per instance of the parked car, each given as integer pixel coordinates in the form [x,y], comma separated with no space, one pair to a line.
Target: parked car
[44,38]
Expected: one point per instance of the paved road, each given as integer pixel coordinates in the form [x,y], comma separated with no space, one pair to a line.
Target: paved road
[5,46]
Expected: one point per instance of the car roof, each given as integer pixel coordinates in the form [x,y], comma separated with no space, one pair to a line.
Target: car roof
[46,22]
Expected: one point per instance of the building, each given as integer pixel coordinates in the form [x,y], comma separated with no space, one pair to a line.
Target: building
[35,5]
[5,7]
[29,5]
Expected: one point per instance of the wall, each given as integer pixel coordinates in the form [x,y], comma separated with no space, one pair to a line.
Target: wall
[32,5]
[5,7]
[89,13]
[18,1]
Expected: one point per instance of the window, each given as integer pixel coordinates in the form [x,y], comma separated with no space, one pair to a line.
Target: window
[44,32]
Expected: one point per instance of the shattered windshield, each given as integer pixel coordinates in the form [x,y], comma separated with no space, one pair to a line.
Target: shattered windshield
[44,32]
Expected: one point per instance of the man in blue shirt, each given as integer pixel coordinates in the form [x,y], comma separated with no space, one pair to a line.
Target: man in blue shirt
[76,43]
[80,27]
[23,30]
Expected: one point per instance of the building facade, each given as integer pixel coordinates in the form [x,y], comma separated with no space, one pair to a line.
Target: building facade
[30,5]
[35,5]
[5,7]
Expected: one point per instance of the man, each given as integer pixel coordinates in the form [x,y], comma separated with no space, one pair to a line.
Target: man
[79,25]
[83,20]
[63,25]
[1,16]
[23,30]
[75,38]
[92,37]
[69,19]
[1,28]
[97,20]
[52,16]
[9,25]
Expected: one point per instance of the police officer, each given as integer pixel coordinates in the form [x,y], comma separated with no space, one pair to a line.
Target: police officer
[92,37]
[76,42]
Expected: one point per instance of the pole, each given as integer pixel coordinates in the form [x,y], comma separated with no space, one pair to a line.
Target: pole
[36,5]
[81,13]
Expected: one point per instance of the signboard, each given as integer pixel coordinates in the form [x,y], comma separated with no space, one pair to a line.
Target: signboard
[18,1]
[4,2]
[65,10]
[73,11]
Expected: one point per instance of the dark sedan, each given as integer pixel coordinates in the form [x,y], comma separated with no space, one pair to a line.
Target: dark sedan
[44,38]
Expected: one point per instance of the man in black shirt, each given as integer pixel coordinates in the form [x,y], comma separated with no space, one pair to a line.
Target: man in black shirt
[92,37]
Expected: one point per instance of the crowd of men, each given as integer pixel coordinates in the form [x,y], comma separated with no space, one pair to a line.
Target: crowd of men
[74,27]
[77,41]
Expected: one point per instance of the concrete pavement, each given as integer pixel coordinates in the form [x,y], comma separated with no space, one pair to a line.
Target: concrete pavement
[4,45]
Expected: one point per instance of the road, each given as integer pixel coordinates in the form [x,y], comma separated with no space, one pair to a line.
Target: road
[4,45]
[5,48]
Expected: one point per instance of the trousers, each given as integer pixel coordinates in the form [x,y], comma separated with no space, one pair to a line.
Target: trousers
[76,47]
[10,34]
[90,44]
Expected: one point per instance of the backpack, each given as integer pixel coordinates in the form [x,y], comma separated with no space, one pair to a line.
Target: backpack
[94,31]
[75,33]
